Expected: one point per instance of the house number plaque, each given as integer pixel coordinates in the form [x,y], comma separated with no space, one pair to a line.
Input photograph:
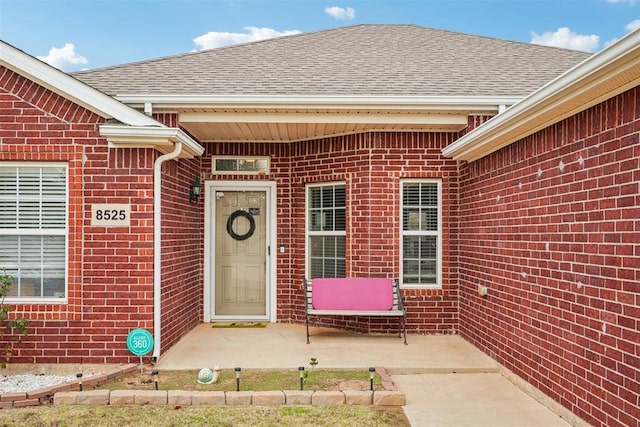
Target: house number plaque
[111,215]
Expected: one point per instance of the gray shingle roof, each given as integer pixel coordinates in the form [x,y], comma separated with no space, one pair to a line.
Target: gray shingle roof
[374,60]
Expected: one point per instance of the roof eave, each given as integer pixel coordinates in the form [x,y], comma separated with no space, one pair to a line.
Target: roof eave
[338,102]
[161,139]
[600,77]
[136,128]
[71,88]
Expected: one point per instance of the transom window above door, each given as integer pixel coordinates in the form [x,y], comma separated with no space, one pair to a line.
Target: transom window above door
[240,165]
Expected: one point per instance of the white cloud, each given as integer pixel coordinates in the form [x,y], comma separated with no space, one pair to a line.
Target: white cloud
[633,25]
[344,14]
[215,39]
[64,58]
[567,39]
[622,1]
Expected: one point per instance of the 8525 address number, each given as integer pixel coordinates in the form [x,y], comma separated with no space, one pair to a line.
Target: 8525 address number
[110,215]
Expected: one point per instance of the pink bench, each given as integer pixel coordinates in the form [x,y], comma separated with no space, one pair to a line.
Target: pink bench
[354,297]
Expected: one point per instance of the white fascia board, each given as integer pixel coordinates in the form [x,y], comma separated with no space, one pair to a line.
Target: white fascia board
[597,78]
[160,138]
[319,117]
[323,102]
[71,88]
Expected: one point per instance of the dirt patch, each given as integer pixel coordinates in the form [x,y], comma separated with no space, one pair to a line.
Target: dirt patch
[253,380]
[354,385]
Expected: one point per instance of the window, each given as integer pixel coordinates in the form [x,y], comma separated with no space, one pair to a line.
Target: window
[241,165]
[421,233]
[33,228]
[326,225]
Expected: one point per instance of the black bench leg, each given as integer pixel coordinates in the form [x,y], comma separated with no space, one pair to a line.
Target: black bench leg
[404,328]
[306,318]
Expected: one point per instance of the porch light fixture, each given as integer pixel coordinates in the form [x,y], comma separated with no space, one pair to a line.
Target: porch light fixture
[194,192]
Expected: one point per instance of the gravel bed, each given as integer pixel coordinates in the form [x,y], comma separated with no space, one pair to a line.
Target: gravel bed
[28,382]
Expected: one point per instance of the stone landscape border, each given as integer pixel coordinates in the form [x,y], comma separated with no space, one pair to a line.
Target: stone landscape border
[69,393]
[219,398]
[46,395]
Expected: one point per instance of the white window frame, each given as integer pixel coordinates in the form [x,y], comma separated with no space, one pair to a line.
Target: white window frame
[437,233]
[309,233]
[44,232]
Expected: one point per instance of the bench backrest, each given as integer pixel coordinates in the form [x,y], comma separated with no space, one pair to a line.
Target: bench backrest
[352,294]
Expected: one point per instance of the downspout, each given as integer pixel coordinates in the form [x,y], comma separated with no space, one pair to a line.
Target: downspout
[157,244]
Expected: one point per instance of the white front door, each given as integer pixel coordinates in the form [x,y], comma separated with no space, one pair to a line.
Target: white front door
[239,253]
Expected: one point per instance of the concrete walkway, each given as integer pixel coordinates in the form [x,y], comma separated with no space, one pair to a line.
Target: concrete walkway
[446,380]
[471,400]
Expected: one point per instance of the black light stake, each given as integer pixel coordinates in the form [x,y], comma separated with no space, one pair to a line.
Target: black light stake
[301,370]
[154,374]
[79,377]
[237,378]
[371,371]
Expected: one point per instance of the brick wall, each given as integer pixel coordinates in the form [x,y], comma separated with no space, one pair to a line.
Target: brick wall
[110,270]
[182,251]
[372,166]
[551,225]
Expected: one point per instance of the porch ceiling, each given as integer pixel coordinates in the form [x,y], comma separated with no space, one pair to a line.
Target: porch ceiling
[295,125]
[278,118]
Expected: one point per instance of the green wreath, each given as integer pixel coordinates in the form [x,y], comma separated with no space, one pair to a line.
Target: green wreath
[232,219]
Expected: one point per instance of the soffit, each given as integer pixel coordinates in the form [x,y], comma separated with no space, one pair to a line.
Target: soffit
[284,119]
[295,125]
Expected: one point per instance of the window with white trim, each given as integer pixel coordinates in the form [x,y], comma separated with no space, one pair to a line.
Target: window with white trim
[421,233]
[33,228]
[326,230]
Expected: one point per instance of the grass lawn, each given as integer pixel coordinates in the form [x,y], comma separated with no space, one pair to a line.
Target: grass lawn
[254,380]
[286,416]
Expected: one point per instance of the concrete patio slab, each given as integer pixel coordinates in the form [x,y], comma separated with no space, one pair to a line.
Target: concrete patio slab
[284,346]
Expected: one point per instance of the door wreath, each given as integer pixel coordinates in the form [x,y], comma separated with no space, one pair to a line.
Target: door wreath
[231,220]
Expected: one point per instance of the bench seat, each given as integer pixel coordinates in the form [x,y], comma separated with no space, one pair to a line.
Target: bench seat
[373,297]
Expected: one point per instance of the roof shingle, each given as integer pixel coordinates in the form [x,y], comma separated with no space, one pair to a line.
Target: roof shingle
[365,60]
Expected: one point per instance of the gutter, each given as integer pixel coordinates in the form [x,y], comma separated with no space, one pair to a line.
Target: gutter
[157,245]
[455,103]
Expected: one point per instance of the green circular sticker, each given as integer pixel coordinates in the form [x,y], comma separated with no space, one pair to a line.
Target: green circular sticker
[140,342]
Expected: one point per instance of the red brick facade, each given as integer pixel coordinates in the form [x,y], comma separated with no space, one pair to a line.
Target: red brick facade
[110,269]
[371,165]
[551,225]
[182,252]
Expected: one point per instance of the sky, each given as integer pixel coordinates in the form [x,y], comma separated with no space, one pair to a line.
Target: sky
[85,34]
